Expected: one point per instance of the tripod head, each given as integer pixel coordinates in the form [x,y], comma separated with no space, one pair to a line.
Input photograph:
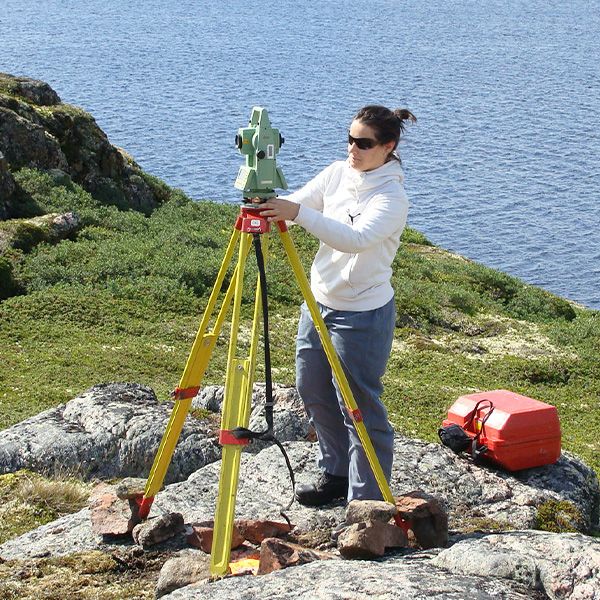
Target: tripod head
[260,144]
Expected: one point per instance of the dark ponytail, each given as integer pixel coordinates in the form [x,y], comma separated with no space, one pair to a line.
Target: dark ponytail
[403,115]
[387,124]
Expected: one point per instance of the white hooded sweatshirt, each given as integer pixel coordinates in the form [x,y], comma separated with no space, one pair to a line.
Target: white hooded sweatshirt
[358,216]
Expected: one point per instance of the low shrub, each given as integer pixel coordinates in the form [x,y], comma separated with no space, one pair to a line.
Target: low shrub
[535,304]
[9,286]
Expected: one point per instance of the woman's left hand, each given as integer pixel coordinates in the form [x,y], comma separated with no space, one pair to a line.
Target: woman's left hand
[278,209]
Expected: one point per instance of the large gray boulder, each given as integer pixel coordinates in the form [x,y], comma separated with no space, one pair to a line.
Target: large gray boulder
[411,578]
[27,144]
[479,493]
[112,430]
[35,91]
[563,565]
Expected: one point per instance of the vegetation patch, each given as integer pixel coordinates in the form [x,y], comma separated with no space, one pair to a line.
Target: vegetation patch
[130,573]
[484,525]
[28,500]
[559,516]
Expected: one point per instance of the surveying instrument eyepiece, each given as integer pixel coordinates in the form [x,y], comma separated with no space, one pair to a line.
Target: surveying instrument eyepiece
[257,179]
[259,143]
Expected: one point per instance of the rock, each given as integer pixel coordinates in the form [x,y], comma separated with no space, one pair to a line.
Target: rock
[469,491]
[25,143]
[57,226]
[472,493]
[157,530]
[275,554]
[189,567]
[396,578]
[426,518]
[112,430]
[290,422]
[111,516]
[370,510]
[71,533]
[131,488]
[210,398]
[36,91]
[562,565]
[369,539]
[63,137]
[202,536]
[263,487]
[255,530]
[244,561]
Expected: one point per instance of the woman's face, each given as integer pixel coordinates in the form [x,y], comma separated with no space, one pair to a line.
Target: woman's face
[366,159]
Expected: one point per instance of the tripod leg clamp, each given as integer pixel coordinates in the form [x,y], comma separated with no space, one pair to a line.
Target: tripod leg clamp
[226,436]
[184,393]
[355,415]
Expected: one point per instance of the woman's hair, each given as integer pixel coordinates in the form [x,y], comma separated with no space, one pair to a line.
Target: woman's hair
[387,124]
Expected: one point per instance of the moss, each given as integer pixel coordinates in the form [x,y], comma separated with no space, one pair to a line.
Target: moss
[484,524]
[201,414]
[559,516]
[8,85]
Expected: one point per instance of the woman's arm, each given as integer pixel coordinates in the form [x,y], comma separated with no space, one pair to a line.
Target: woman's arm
[382,217]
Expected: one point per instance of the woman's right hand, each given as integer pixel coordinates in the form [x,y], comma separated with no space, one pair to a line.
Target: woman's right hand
[279,209]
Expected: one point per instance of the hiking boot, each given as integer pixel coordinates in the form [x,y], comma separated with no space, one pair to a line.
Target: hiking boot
[325,490]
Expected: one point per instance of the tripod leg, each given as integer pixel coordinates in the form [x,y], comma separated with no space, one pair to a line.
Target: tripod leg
[191,379]
[334,361]
[236,413]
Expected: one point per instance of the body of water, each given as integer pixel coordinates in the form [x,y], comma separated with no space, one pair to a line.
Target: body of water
[503,165]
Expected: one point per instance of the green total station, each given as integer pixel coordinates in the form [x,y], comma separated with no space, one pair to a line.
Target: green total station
[260,144]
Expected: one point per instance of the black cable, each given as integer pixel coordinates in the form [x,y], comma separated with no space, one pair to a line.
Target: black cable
[267,435]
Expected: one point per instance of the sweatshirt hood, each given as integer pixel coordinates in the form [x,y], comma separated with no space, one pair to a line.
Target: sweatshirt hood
[390,171]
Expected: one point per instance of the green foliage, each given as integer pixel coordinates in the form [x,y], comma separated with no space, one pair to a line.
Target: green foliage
[108,192]
[495,285]
[535,304]
[8,284]
[412,236]
[162,192]
[24,235]
[559,517]
[41,192]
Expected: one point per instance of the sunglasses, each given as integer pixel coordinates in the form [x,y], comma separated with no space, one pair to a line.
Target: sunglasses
[362,143]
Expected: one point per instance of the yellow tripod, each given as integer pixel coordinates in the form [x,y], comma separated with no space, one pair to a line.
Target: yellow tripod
[239,381]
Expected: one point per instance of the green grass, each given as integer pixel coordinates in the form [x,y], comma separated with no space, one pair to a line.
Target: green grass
[123,301]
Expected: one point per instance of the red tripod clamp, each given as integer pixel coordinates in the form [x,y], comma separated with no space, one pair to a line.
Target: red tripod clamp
[251,221]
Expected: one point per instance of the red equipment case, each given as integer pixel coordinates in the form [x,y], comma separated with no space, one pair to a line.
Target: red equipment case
[520,433]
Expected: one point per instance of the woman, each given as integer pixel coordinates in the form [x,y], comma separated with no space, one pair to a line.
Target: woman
[357,208]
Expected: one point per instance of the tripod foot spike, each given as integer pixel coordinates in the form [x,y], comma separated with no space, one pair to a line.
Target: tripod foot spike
[144,506]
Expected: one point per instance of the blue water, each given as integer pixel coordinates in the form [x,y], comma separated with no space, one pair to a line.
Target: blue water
[503,165]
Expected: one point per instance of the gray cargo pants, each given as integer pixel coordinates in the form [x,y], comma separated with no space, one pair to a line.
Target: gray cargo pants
[363,341]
